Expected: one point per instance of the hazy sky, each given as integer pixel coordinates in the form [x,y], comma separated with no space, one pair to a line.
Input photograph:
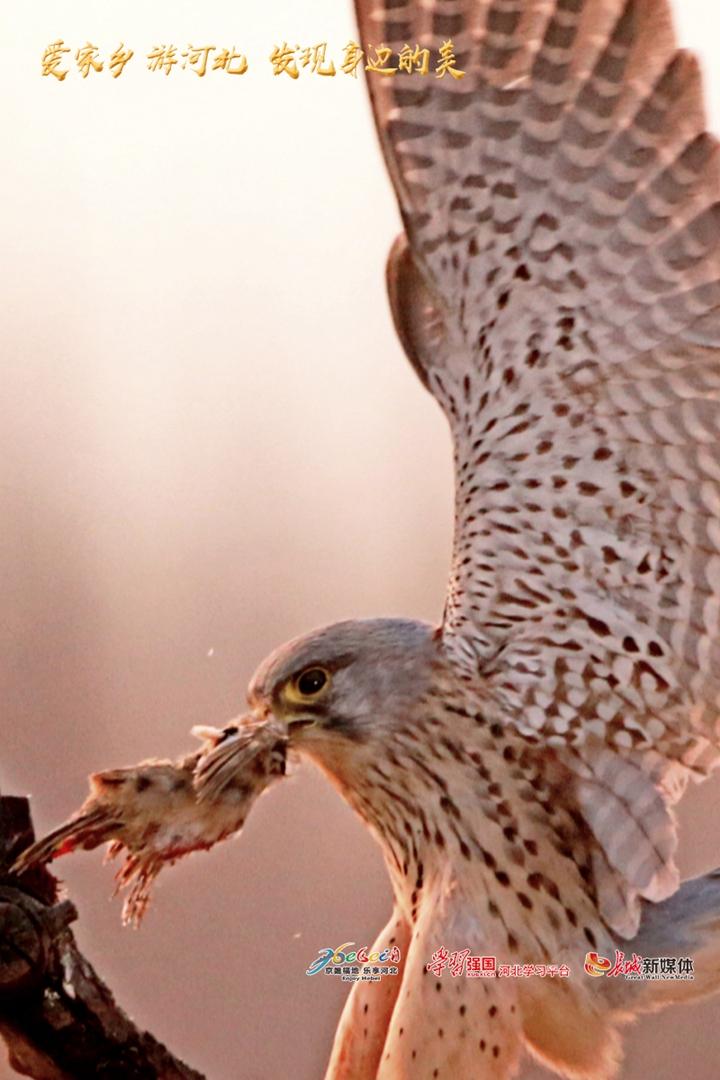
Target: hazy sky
[209,442]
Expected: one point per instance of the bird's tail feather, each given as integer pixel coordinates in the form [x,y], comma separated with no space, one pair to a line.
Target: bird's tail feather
[687,924]
[85,831]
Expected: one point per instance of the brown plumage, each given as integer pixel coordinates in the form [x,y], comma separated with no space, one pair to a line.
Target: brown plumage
[150,813]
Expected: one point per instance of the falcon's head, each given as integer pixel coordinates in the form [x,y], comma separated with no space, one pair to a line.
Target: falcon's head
[345,683]
[335,694]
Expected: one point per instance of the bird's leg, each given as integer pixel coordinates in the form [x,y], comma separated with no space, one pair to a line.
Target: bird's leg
[363,1026]
[137,874]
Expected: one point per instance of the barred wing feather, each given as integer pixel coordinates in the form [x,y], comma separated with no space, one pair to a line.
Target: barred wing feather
[558,291]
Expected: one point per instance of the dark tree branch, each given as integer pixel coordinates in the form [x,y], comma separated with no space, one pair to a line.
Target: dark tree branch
[57,1016]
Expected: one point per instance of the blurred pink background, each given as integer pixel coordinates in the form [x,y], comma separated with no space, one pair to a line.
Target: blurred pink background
[210,442]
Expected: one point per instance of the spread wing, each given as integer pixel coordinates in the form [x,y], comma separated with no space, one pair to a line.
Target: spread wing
[558,291]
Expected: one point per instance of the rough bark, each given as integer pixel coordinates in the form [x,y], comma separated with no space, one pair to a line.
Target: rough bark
[57,1017]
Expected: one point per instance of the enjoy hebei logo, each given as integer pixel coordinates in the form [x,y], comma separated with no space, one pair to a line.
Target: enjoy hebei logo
[356,965]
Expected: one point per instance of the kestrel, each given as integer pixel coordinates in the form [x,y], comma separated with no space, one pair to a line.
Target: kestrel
[557,290]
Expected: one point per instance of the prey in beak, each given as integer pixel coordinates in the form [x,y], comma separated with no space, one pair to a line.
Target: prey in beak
[240,756]
[157,812]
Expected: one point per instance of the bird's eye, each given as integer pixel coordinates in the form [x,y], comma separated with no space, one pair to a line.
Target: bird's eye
[311,682]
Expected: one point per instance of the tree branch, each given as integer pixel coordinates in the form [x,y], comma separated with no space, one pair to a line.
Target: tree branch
[57,1016]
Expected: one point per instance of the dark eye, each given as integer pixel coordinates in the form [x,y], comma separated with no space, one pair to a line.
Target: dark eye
[312,681]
